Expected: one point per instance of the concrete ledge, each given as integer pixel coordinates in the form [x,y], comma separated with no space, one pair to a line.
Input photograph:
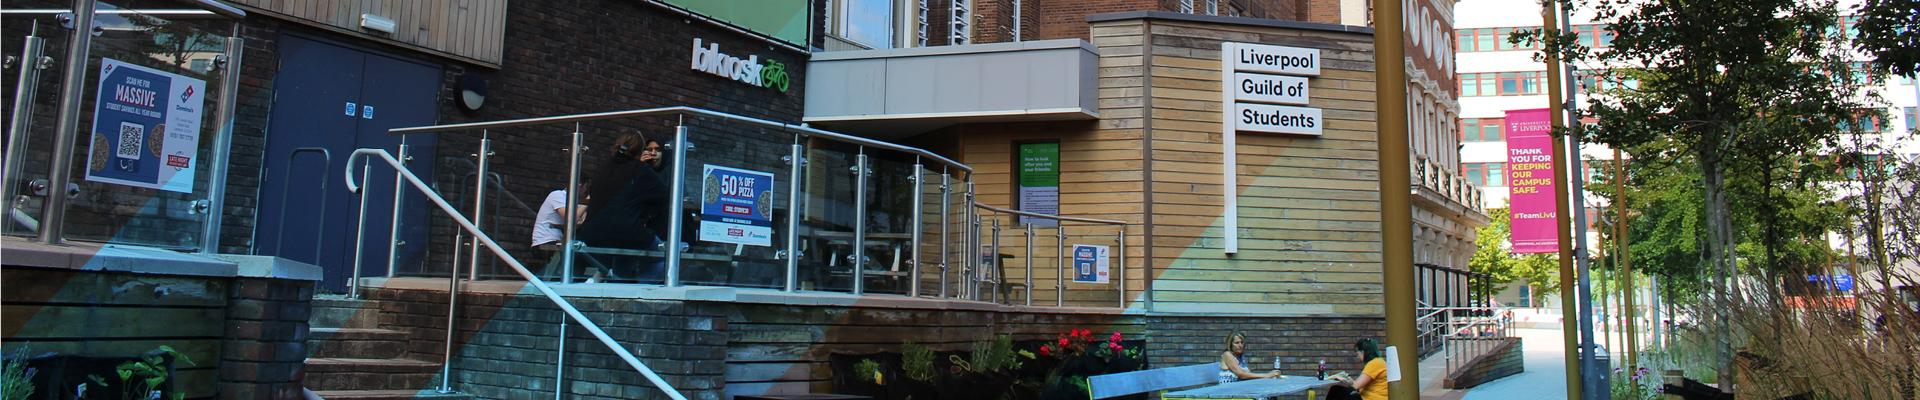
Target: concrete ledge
[1228,20]
[271,267]
[111,257]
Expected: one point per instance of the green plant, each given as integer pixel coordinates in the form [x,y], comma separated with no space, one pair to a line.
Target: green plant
[995,355]
[140,380]
[867,369]
[917,360]
[16,380]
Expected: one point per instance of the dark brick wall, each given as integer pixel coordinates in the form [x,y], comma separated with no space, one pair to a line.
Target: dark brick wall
[581,57]
[265,341]
[1300,341]
[505,346]
[1505,360]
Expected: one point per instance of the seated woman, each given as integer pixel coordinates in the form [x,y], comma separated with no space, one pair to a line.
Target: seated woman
[1371,384]
[627,204]
[1233,362]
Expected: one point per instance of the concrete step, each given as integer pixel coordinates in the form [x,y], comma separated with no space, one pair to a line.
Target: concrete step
[356,343]
[389,395]
[343,313]
[369,374]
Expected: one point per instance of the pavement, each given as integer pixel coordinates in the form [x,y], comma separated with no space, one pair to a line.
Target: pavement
[1545,377]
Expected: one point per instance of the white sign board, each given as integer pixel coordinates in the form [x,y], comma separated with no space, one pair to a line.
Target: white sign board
[1263,88]
[146,127]
[1274,59]
[1251,117]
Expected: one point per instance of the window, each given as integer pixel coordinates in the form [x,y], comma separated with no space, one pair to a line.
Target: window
[1594,36]
[1482,129]
[1601,80]
[1848,28]
[1501,83]
[1492,39]
[1913,118]
[865,22]
[1864,123]
[1484,174]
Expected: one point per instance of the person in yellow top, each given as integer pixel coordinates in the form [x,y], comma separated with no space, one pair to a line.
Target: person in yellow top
[1372,382]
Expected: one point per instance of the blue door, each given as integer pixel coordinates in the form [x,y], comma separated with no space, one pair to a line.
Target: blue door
[330,100]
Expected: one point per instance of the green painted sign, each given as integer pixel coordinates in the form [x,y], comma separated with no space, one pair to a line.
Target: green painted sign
[785,20]
[1039,181]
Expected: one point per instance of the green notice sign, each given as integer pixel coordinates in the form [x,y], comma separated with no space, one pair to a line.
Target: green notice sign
[1039,181]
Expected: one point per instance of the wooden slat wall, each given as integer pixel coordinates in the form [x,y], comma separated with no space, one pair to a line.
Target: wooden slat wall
[1309,206]
[117,315]
[471,30]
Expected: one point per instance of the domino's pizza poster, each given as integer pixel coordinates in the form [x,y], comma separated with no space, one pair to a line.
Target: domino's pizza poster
[146,128]
[736,206]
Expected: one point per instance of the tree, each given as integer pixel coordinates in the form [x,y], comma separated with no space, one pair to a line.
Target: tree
[1494,258]
[1890,31]
[1718,81]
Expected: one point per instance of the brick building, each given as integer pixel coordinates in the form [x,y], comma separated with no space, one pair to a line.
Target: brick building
[1128,93]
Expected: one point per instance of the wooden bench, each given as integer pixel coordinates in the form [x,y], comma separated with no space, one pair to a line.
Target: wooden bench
[1126,383]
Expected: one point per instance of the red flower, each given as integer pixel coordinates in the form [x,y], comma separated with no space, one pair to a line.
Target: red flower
[1063,342]
[1043,350]
[1115,338]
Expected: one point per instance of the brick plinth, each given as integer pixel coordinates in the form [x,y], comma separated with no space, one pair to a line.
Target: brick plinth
[264,343]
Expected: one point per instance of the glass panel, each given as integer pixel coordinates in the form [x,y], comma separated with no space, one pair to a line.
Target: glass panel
[1486,85]
[141,163]
[868,22]
[1473,131]
[1493,132]
[1466,39]
[930,228]
[1092,265]
[890,211]
[737,218]
[1486,39]
[827,217]
[28,162]
[1501,40]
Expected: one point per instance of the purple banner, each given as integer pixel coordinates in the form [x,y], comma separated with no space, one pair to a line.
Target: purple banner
[1530,178]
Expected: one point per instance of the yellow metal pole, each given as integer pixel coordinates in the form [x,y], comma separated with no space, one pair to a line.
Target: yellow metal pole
[1569,316]
[1396,213]
[1626,259]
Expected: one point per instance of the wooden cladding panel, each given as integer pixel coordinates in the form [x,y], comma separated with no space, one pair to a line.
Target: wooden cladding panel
[471,30]
[1308,206]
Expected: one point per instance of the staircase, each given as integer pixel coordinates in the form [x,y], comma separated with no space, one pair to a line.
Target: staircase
[351,358]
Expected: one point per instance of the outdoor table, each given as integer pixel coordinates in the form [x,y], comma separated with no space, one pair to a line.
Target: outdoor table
[1253,388]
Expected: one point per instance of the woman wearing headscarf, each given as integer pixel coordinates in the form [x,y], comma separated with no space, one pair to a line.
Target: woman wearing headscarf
[628,199]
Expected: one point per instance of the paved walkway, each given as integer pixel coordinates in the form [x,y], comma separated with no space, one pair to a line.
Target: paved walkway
[1545,377]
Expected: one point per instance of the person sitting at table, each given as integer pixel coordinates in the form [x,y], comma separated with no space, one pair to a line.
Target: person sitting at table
[627,203]
[548,226]
[1233,362]
[1371,384]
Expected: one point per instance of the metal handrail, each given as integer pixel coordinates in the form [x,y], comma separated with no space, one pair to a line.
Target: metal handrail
[1120,241]
[517,267]
[681,110]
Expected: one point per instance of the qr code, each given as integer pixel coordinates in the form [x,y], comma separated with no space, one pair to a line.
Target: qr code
[132,136]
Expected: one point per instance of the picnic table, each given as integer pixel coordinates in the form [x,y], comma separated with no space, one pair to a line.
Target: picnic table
[1253,388]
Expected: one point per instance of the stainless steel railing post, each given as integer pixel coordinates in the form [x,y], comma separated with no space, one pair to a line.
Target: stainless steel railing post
[393,235]
[73,87]
[972,243]
[359,235]
[993,258]
[22,117]
[857,258]
[919,225]
[678,194]
[946,229]
[1029,261]
[1120,250]
[1060,264]
[560,359]
[797,161]
[479,200]
[567,246]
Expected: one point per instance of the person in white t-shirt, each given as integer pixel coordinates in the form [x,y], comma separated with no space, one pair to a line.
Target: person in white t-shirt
[549,228]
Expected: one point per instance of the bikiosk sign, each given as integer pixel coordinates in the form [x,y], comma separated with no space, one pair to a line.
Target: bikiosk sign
[710,60]
[1257,99]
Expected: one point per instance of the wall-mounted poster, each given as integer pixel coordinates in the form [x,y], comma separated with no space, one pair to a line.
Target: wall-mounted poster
[1040,182]
[1090,263]
[146,128]
[736,206]
[1530,178]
